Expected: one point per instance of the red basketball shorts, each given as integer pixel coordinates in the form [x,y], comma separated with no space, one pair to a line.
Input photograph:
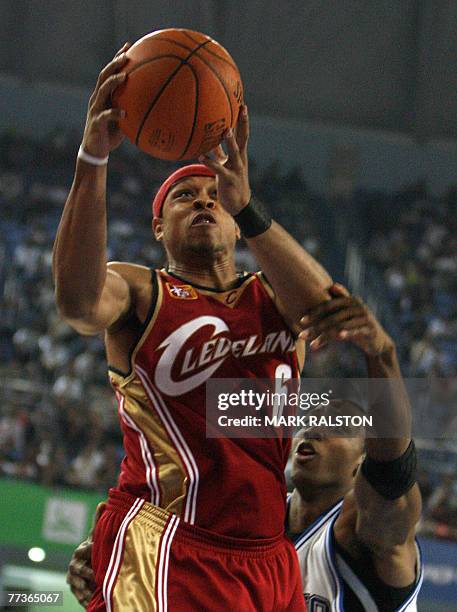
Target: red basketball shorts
[148,560]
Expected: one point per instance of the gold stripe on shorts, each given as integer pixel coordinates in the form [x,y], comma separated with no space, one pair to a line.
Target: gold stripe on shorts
[140,577]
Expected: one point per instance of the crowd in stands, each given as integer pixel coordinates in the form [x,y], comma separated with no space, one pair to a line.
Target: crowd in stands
[58,416]
[412,241]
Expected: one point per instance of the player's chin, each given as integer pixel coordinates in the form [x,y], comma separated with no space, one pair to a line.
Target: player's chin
[203,234]
[206,247]
[305,478]
[305,464]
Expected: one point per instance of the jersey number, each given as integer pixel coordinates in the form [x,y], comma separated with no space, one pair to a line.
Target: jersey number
[316,603]
[283,373]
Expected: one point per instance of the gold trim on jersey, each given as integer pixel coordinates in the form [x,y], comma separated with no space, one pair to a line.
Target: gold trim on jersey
[231,297]
[261,276]
[119,379]
[171,473]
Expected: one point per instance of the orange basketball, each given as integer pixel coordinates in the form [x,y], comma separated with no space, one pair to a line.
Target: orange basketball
[182,92]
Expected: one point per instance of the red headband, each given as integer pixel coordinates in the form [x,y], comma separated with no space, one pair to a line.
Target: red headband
[178,175]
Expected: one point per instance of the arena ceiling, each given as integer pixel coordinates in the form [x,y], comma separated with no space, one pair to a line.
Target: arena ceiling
[386,65]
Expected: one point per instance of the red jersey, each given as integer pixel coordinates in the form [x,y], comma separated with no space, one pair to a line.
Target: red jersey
[232,487]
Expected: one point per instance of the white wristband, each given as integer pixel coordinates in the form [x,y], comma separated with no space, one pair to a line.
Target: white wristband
[90,159]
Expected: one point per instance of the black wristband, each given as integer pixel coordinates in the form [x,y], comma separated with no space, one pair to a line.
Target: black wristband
[392,479]
[253,220]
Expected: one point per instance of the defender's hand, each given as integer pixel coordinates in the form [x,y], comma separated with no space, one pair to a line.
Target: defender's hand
[102,133]
[345,318]
[231,171]
[80,575]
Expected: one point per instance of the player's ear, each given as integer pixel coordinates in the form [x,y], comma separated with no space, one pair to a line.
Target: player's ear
[359,463]
[157,228]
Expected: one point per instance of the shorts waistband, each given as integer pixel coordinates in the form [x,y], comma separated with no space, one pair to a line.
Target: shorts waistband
[157,518]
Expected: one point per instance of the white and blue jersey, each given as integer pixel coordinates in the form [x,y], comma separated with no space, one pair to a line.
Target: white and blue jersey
[328,579]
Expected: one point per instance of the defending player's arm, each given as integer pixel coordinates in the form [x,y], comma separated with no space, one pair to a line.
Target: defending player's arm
[386,496]
[298,280]
[80,575]
[385,486]
[90,295]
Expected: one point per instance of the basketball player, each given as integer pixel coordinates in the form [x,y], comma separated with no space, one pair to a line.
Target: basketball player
[194,523]
[355,543]
[353,512]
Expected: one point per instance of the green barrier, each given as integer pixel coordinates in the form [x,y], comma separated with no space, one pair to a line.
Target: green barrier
[54,519]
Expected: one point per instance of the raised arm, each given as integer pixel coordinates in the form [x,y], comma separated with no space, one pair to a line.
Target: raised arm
[298,280]
[387,496]
[387,499]
[90,295]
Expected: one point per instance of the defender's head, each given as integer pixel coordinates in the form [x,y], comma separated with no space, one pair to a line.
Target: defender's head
[328,457]
[188,217]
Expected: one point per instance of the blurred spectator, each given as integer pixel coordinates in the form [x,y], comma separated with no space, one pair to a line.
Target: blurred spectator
[84,469]
[440,512]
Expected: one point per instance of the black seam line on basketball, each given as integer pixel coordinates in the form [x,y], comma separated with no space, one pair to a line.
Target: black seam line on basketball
[153,59]
[223,59]
[175,42]
[183,46]
[194,122]
[162,89]
[220,79]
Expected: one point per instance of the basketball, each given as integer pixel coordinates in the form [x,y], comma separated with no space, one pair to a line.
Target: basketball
[183,91]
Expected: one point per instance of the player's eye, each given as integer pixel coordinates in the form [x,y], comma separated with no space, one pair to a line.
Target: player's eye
[183,193]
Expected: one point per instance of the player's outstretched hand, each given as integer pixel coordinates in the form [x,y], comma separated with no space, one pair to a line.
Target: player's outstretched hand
[102,133]
[231,170]
[345,318]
